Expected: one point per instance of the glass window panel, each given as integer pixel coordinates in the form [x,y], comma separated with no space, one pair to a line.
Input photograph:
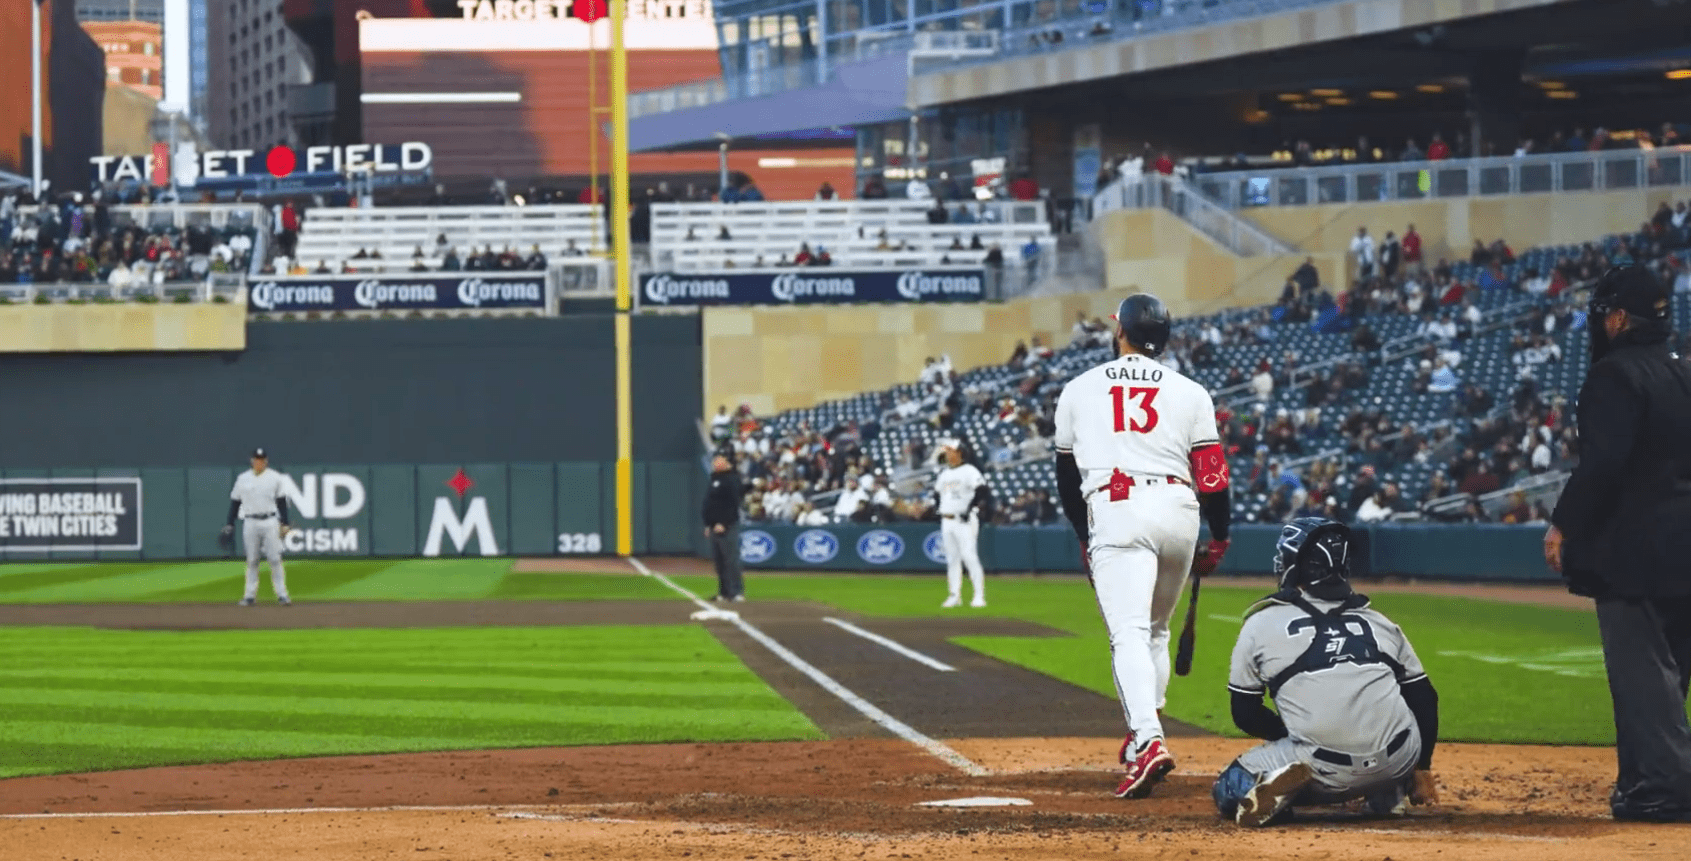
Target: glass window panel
[1578,176]
[1494,180]
[1621,172]
[1330,189]
[1371,186]
[1452,182]
[1293,190]
[1536,178]
[1412,184]
[1667,169]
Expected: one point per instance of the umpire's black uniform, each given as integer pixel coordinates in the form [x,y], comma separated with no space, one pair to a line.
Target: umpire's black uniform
[1625,520]
[722,526]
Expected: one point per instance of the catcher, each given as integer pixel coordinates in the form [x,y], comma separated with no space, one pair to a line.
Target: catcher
[258,499]
[1358,717]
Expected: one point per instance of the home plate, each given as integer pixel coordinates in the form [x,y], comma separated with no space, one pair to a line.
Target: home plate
[705,615]
[978,801]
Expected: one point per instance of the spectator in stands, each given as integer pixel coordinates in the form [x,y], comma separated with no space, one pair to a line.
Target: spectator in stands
[1438,150]
[873,189]
[536,261]
[1444,379]
[1362,248]
[822,257]
[937,214]
[1024,188]
[721,425]
[1391,255]
[1030,257]
[451,263]
[826,192]
[1480,481]
[287,228]
[804,257]
[961,215]
[1164,164]
[1411,246]
[917,189]
[1262,382]
[1306,277]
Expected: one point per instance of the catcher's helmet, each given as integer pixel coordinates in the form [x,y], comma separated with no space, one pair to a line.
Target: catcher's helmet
[1313,554]
[1144,323]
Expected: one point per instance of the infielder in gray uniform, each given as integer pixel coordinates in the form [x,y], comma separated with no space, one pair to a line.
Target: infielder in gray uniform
[259,501]
[1358,717]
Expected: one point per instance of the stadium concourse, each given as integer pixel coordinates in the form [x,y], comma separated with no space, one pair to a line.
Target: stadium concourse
[1425,396]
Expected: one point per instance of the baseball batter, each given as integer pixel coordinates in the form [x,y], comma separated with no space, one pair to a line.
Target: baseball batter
[1358,717]
[1138,461]
[258,500]
[963,495]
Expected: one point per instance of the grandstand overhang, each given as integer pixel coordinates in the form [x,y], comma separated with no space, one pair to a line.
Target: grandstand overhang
[1299,29]
[857,93]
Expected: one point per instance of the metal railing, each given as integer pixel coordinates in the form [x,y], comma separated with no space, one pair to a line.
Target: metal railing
[1176,195]
[220,287]
[1606,170]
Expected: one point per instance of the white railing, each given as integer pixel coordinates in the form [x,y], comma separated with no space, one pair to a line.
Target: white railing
[223,287]
[1176,195]
[1605,170]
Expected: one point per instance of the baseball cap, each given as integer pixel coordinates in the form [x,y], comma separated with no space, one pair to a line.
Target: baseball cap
[1634,289]
[259,452]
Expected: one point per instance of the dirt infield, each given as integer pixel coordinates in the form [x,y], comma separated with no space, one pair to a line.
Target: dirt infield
[816,800]
[860,795]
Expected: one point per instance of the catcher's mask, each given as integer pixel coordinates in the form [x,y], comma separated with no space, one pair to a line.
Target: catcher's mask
[1313,554]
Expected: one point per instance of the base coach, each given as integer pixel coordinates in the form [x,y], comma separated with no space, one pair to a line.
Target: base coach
[1621,534]
[722,527]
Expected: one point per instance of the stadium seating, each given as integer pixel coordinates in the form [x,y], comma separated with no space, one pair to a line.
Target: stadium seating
[334,235]
[1487,360]
[850,231]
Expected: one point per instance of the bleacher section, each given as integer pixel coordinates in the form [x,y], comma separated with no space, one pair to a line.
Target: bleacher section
[850,231]
[1487,360]
[334,235]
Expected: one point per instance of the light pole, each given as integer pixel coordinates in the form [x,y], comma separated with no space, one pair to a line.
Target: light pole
[35,97]
[721,163]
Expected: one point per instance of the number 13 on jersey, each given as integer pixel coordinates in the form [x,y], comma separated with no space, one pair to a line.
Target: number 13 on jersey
[1143,397]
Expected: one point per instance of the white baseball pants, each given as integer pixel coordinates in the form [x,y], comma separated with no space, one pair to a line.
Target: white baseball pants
[264,538]
[959,536]
[1141,555]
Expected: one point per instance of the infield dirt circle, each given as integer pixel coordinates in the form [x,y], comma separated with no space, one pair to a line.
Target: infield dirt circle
[861,795]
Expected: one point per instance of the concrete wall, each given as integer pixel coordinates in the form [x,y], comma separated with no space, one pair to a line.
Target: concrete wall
[787,358]
[122,327]
[1153,251]
[1448,227]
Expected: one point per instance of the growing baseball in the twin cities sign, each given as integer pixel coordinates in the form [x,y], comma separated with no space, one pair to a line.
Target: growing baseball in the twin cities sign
[69,514]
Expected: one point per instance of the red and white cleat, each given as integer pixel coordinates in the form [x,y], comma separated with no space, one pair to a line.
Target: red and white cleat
[1149,766]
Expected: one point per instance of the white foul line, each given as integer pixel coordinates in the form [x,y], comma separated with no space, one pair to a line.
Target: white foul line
[867,709]
[894,645]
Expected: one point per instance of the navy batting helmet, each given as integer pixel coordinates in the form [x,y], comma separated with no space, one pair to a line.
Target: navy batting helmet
[1144,322]
[1313,554]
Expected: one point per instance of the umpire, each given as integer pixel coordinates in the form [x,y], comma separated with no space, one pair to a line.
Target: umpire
[722,527]
[1621,534]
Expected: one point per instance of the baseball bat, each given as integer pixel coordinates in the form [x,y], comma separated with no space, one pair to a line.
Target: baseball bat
[1188,633]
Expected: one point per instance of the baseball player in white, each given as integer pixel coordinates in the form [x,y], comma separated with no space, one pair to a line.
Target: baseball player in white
[963,495]
[258,500]
[1138,460]
[1357,716]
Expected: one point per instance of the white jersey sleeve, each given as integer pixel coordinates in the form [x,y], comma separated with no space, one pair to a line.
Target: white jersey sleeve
[1204,431]
[1065,421]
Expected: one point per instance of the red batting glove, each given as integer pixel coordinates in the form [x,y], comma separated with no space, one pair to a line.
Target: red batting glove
[1206,562]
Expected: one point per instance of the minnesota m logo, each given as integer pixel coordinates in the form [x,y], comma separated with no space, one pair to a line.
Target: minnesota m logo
[446,523]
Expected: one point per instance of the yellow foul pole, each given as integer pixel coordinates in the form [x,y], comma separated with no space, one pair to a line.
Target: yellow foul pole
[623,254]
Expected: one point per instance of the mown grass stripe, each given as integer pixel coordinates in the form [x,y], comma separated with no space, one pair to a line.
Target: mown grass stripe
[189,679]
[654,672]
[445,709]
[128,586]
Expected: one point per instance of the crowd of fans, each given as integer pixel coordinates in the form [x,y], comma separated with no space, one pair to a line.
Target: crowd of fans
[76,241]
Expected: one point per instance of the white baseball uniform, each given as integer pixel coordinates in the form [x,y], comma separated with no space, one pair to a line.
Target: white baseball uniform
[260,528]
[959,530]
[1132,425]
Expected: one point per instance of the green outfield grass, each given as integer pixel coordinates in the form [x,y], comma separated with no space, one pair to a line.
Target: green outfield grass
[75,699]
[1505,672]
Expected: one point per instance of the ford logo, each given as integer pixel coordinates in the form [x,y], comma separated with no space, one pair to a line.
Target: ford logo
[816,546]
[934,547]
[880,547]
[756,546]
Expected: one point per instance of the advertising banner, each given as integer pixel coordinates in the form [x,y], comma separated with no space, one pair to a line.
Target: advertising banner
[814,285]
[70,514]
[408,292]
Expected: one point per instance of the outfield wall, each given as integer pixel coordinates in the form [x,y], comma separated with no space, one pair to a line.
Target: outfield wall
[354,510]
[1458,552]
[361,391]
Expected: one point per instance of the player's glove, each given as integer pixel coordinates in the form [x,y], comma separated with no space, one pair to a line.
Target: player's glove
[228,529]
[283,530]
[1205,563]
[226,539]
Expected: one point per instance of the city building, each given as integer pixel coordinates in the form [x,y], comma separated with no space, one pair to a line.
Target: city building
[151,11]
[134,54]
[252,62]
[74,78]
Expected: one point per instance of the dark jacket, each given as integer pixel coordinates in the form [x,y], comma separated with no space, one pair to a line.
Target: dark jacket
[1625,514]
[722,500]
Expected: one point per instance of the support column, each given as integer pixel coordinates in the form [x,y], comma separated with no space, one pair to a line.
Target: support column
[1494,102]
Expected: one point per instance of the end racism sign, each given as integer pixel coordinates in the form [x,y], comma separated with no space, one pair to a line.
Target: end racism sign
[190,165]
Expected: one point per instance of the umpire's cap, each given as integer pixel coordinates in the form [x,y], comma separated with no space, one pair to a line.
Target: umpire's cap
[1633,289]
[1144,322]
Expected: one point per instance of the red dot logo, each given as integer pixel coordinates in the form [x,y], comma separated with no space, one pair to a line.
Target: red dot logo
[280,161]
